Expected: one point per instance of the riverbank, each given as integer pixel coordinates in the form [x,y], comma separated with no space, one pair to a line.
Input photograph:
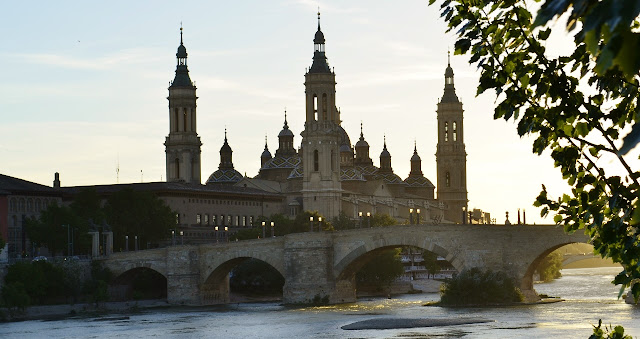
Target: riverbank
[55,312]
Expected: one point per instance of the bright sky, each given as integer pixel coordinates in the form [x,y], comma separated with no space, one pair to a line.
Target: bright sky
[85,84]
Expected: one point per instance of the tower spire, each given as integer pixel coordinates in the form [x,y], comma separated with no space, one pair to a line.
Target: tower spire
[180,32]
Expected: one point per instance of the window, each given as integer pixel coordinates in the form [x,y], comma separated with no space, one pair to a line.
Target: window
[315,107]
[214,220]
[12,205]
[198,221]
[38,205]
[446,131]
[447,179]
[251,220]
[244,221]
[29,205]
[206,219]
[333,160]
[184,119]
[229,220]
[316,164]
[177,162]
[175,120]
[177,218]
[21,205]
[455,131]
[324,106]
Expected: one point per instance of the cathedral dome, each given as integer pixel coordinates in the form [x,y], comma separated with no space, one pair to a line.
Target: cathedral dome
[319,38]
[225,176]
[344,137]
[266,154]
[182,51]
[362,143]
[286,132]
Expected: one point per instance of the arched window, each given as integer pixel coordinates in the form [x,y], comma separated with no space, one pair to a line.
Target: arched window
[315,107]
[176,120]
[184,119]
[316,164]
[38,205]
[324,106]
[29,205]
[447,179]
[446,131]
[455,131]
[177,162]
[21,205]
[12,205]
[333,156]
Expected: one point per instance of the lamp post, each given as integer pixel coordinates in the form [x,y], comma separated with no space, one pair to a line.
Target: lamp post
[68,239]
[359,219]
[319,224]
[411,216]
[126,243]
[311,224]
[273,234]
[369,219]
[173,237]
[226,235]
[216,229]
[418,216]
[263,231]
[181,237]
[136,242]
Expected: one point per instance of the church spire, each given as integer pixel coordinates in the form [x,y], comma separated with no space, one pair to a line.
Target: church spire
[182,78]
[266,155]
[320,64]
[449,89]
[226,153]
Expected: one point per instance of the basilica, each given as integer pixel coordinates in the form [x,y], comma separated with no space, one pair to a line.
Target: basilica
[325,172]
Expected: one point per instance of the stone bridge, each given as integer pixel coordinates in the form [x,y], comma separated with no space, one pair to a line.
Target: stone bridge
[324,264]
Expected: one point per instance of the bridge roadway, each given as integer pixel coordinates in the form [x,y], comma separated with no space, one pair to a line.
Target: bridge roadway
[323,264]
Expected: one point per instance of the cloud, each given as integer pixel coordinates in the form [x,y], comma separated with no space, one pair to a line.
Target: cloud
[124,57]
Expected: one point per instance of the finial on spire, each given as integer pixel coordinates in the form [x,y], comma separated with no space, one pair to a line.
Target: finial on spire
[361,134]
[265,140]
[285,115]
[415,146]
[225,133]
[385,140]
[180,32]
[448,58]
[318,17]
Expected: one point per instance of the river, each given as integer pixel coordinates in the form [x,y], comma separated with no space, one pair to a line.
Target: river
[588,293]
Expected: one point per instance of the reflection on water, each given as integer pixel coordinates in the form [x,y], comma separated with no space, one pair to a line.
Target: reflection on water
[589,294]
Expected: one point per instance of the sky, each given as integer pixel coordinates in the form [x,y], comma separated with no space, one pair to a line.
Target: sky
[85,84]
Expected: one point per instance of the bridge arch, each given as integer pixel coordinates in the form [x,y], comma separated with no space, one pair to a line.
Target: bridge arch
[527,279]
[215,278]
[347,266]
[138,283]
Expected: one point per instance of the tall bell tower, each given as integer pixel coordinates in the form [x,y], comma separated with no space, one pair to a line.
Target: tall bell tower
[451,157]
[182,145]
[321,187]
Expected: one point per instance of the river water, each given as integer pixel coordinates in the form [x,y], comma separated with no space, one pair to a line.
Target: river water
[588,293]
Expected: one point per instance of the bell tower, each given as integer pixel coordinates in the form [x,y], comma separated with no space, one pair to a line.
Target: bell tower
[182,146]
[321,187]
[451,157]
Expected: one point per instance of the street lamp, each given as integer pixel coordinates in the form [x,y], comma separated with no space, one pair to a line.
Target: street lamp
[411,216]
[173,237]
[320,224]
[369,219]
[136,242]
[216,229]
[263,230]
[226,235]
[359,219]
[272,230]
[126,243]
[181,237]
[311,224]
[418,216]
